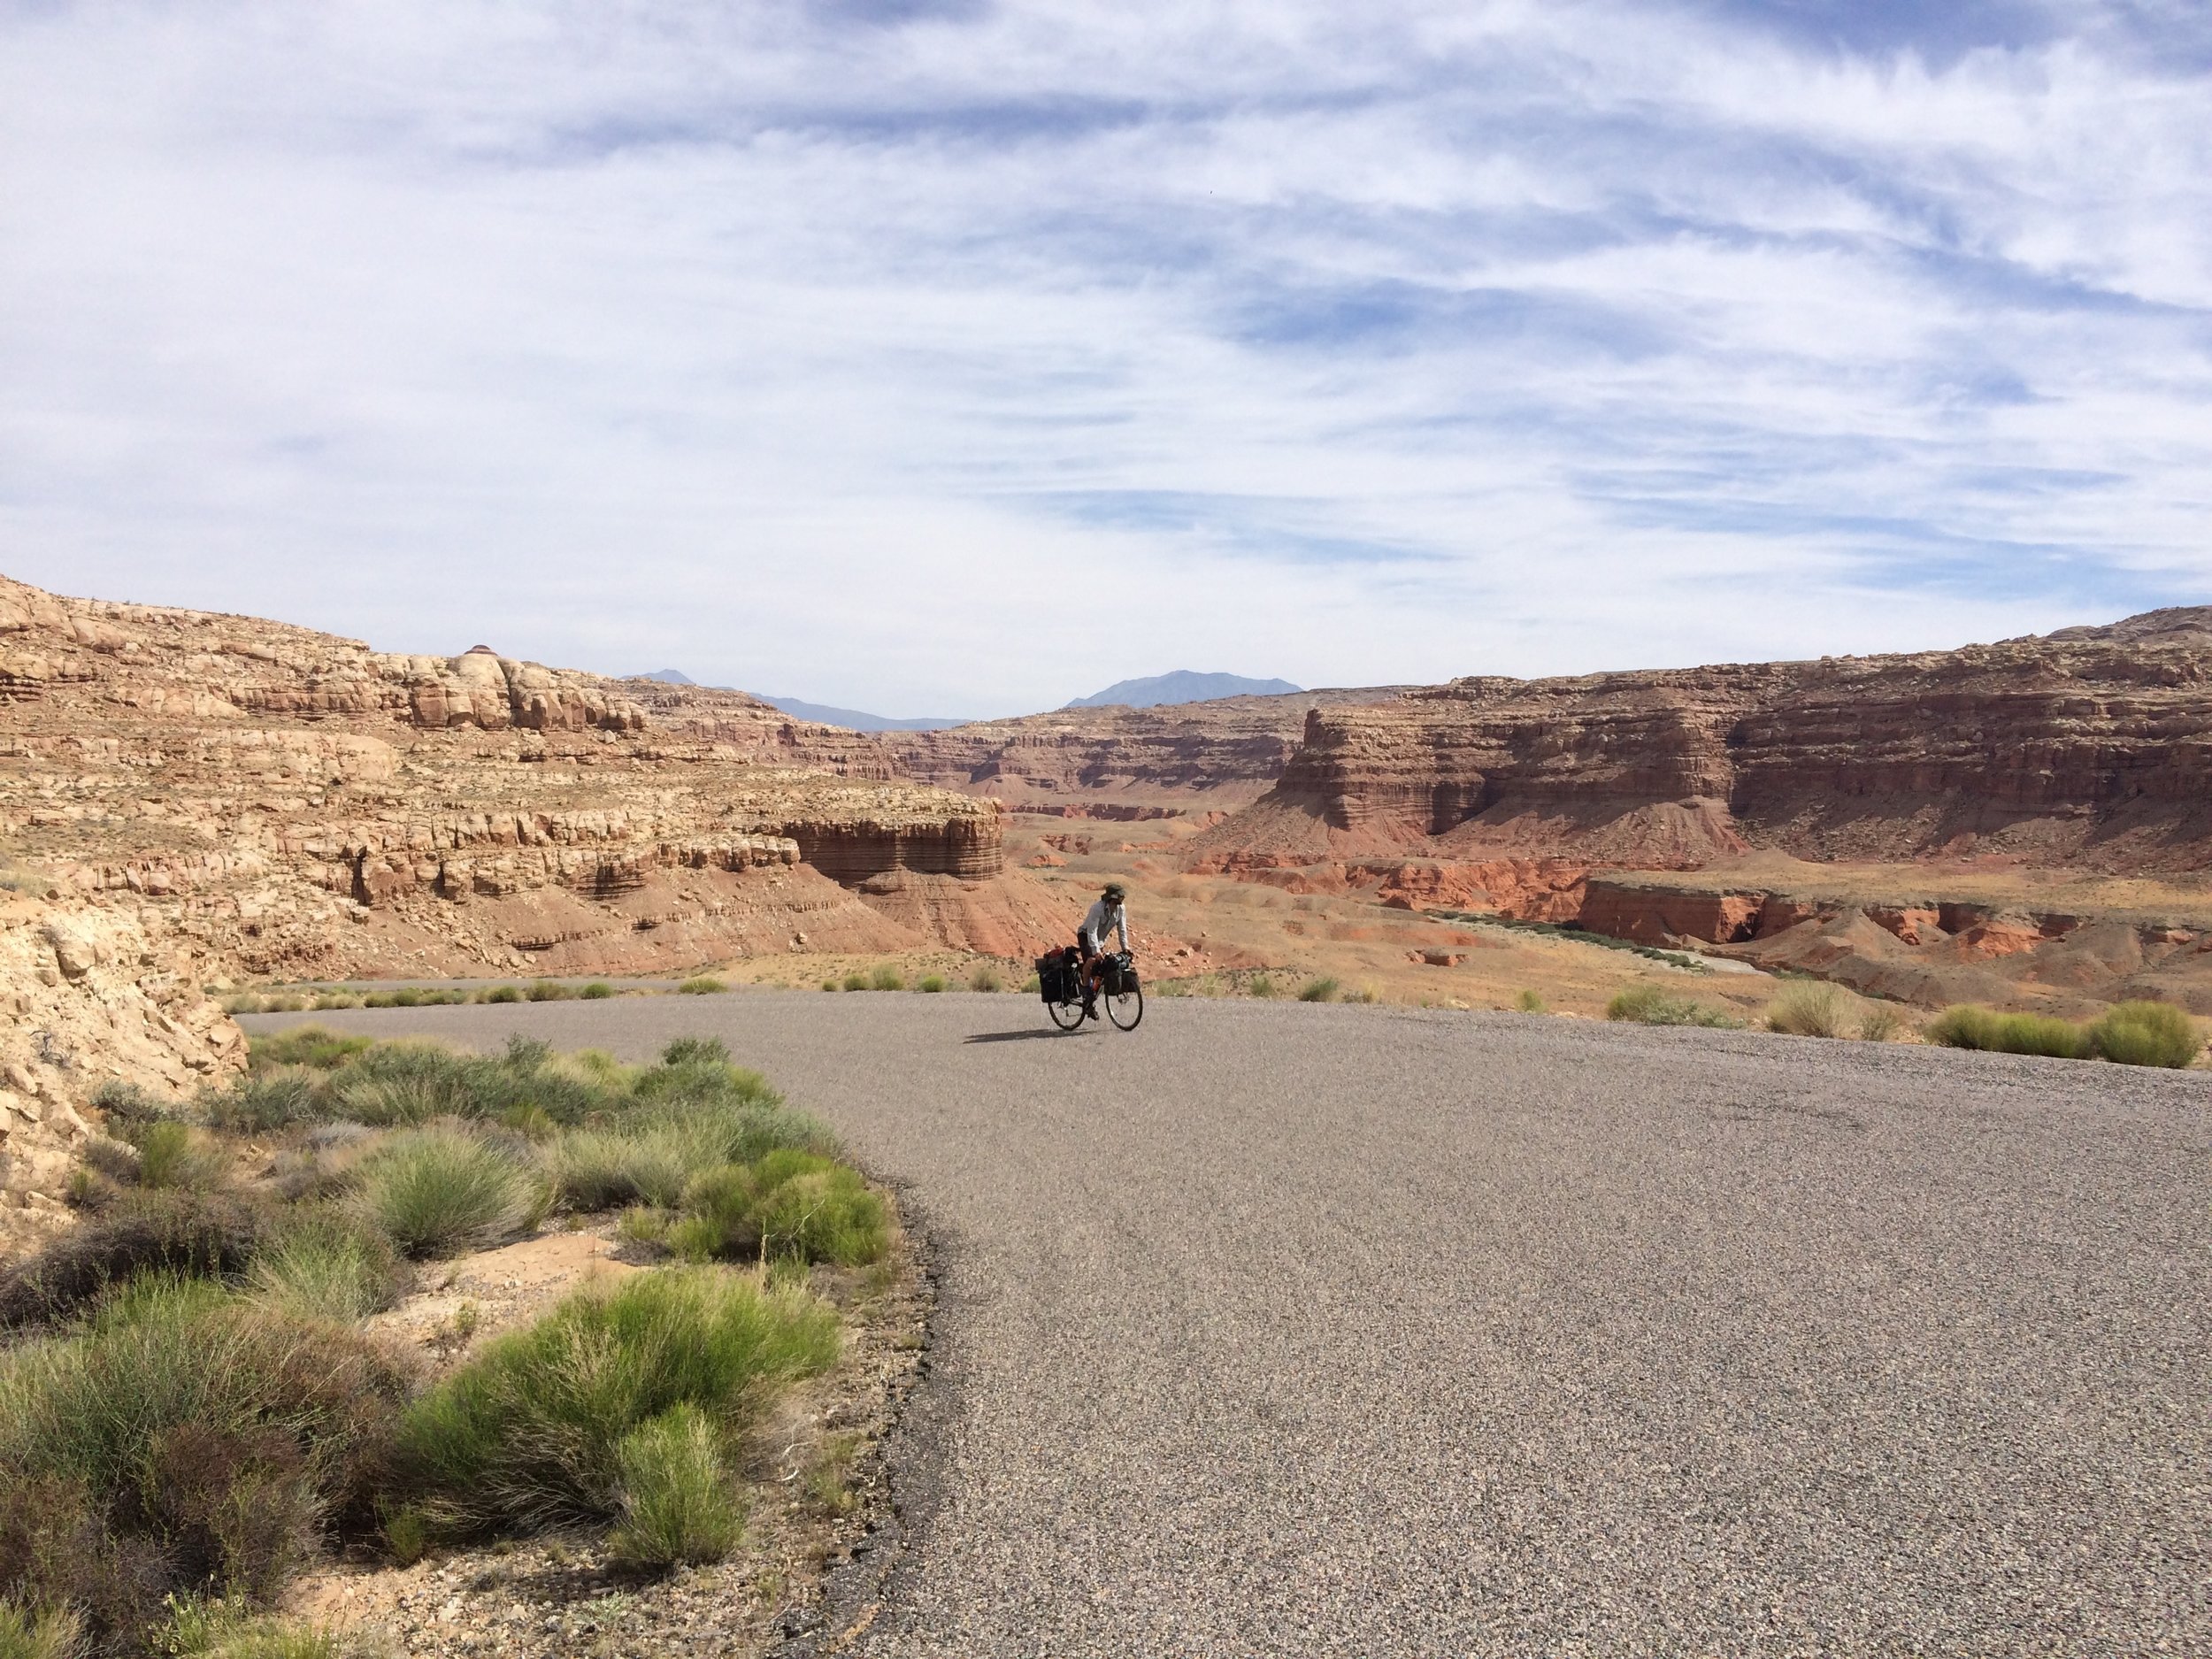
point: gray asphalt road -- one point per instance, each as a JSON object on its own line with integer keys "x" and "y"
{"x": 1275, "y": 1329}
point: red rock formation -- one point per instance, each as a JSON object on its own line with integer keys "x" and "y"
{"x": 2091, "y": 748}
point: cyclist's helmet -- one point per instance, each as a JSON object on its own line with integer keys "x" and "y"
{"x": 1115, "y": 893}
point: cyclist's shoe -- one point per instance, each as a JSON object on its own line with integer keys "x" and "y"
{"x": 1090, "y": 1008}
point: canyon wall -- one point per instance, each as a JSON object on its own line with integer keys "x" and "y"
{"x": 2091, "y": 748}
{"x": 1097, "y": 762}
{"x": 281, "y": 802}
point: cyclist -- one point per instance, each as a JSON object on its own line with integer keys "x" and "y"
{"x": 1109, "y": 914}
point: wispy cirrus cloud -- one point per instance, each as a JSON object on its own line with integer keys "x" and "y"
{"x": 957, "y": 357}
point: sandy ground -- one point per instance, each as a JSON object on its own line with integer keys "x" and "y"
{"x": 1275, "y": 1329}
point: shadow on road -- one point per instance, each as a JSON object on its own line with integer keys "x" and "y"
{"x": 1018, "y": 1036}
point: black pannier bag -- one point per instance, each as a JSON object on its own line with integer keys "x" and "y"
{"x": 1118, "y": 976}
{"x": 1056, "y": 977}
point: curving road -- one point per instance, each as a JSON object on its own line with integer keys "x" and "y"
{"x": 1290, "y": 1330}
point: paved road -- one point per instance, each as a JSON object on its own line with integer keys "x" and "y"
{"x": 1288, "y": 1330}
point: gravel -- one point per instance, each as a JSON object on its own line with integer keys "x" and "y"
{"x": 1296, "y": 1329}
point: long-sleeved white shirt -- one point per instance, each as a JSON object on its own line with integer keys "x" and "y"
{"x": 1104, "y": 919}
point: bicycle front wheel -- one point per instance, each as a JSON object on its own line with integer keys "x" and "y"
{"x": 1126, "y": 1008}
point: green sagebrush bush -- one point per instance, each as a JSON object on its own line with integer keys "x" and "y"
{"x": 181, "y": 1442}
{"x": 1970, "y": 1026}
{"x": 316, "y": 1047}
{"x": 531, "y": 1432}
{"x": 1645, "y": 1003}
{"x": 324, "y": 1261}
{"x": 443, "y": 1188}
{"x": 677, "y": 1502}
{"x": 1322, "y": 990}
{"x": 789, "y": 1205}
{"x": 2145, "y": 1034}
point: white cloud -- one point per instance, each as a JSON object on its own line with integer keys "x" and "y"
{"x": 865, "y": 362}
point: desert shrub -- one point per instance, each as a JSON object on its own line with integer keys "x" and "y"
{"x": 856, "y": 980}
{"x": 549, "y": 991}
{"x": 1880, "y": 1023}
{"x": 2145, "y": 1034}
{"x": 268, "y": 1099}
{"x": 790, "y": 1205}
{"x": 1811, "y": 1008}
{"x": 886, "y": 977}
{"x": 324, "y": 1262}
{"x": 1648, "y": 1004}
{"x": 1530, "y": 1003}
{"x": 171, "y": 1154}
{"x": 503, "y": 994}
{"x": 651, "y": 1155}
{"x": 1969, "y": 1026}
{"x": 181, "y": 1443}
{"x": 830, "y": 984}
{"x": 528, "y": 1434}
{"x": 50, "y": 1632}
{"x": 695, "y": 1052}
{"x": 441, "y": 1189}
{"x": 128, "y": 1104}
{"x": 677, "y": 1501}
{"x": 175, "y": 1232}
{"x": 392, "y": 1083}
{"x": 597, "y": 990}
{"x": 986, "y": 978}
{"x": 1261, "y": 985}
{"x": 316, "y": 1046}
{"x": 214, "y": 1628}
{"x": 117, "y": 1160}
{"x": 329, "y": 1001}
{"x": 705, "y": 985}
{"x": 1322, "y": 990}
{"x": 931, "y": 982}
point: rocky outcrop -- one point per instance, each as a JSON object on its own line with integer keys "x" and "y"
{"x": 282, "y": 802}
{"x": 89, "y": 996}
{"x": 1229, "y": 751}
{"x": 2089, "y": 748}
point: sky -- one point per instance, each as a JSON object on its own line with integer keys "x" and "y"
{"x": 952, "y": 357}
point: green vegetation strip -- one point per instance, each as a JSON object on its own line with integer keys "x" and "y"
{"x": 189, "y": 1413}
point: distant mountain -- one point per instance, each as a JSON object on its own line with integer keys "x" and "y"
{"x": 1183, "y": 685}
{"x": 853, "y": 719}
{"x": 667, "y": 677}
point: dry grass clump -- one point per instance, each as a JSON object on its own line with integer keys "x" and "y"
{"x": 1321, "y": 990}
{"x": 931, "y": 982}
{"x": 986, "y": 978}
{"x": 1529, "y": 1001}
{"x": 885, "y": 978}
{"x": 532, "y": 1433}
{"x": 1645, "y": 1003}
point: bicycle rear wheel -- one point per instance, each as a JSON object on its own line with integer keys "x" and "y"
{"x": 1126, "y": 1008}
{"x": 1066, "y": 1015}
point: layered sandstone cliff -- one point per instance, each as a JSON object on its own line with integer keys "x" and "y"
{"x": 2091, "y": 748}
{"x": 1116, "y": 762}
{"x": 283, "y": 802}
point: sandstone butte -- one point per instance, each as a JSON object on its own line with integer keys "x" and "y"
{"x": 190, "y": 798}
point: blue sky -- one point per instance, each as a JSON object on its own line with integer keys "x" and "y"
{"x": 965, "y": 357}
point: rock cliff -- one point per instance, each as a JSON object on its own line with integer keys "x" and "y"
{"x": 2091, "y": 748}
{"x": 1096, "y": 762}
{"x": 284, "y": 802}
